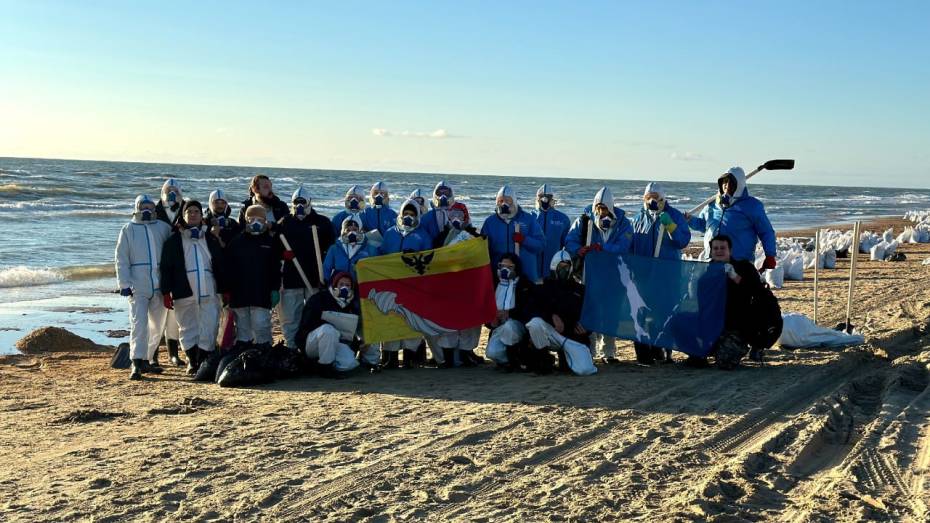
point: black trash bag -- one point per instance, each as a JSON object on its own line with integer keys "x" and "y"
{"x": 897, "y": 257}
{"x": 284, "y": 362}
{"x": 207, "y": 369}
{"x": 765, "y": 323}
{"x": 246, "y": 369}
{"x": 121, "y": 359}
{"x": 227, "y": 356}
{"x": 843, "y": 253}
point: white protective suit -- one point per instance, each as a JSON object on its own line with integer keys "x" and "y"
{"x": 138, "y": 251}
{"x": 198, "y": 315}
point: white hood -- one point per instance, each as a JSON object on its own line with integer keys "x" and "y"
{"x": 655, "y": 187}
{"x": 355, "y": 190}
{"x": 605, "y": 197}
{"x": 543, "y": 189}
{"x": 559, "y": 257}
{"x": 400, "y": 216}
{"x": 507, "y": 191}
{"x": 301, "y": 192}
{"x": 418, "y": 193}
{"x": 435, "y": 200}
{"x": 141, "y": 200}
{"x": 740, "y": 175}
{"x": 169, "y": 184}
{"x": 379, "y": 187}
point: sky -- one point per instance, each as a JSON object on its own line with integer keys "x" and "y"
{"x": 670, "y": 90}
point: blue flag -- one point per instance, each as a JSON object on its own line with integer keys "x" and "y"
{"x": 674, "y": 304}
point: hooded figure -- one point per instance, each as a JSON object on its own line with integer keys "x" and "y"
{"x": 138, "y": 254}
{"x": 611, "y": 232}
{"x": 349, "y": 248}
{"x": 354, "y": 202}
{"x": 739, "y": 216}
{"x": 436, "y": 219}
{"x": 656, "y": 212}
{"x": 459, "y": 227}
{"x": 406, "y": 235}
{"x": 557, "y": 327}
{"x": 417, "y": 196}
{"x": 253, "y": 265}
{"x": 501, "y": 230}
{"x": 378, "y": 216}
{"x": 320, "y": 340}
{"x": 168, "y": 208}
{"x": 192, "y": 276}
{"x": 297, "y": 228}
{"x": 261, "y": 193}
{"x": 517, "y": 302}
{"x": 217, "y": 218}
{"x": 554, "y": 224}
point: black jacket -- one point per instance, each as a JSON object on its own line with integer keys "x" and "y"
{"x": 739, "y": 295}
{"x": 565, "y": 299}
{"x": 162, "y": 215}
{"x": 228, "y": 232}
{"x": 253, "y": 269}
{"x": 526, "y": 302}
{"x": 278, "y": 208}
{"x": 173, "y": 272}
{"x": 299, "y": 234}
{"x": 312, "y": 316}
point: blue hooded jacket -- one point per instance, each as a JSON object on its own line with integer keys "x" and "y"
{"x": 338, "y": 259}
{"x": 354, "y": 192}
{"x": 646, "y": 227}
{"x": 616, "y": 240}
{"x": 399, "y": 238}
{"x": 435, "y": 220}
{"x": 378, "y": 218}
{"x": 500, "y": 237}
{"x": 744, "y": 221}
{"x": 554, "y": 225}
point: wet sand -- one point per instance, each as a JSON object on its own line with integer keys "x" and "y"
{"x": 815, "y": 434}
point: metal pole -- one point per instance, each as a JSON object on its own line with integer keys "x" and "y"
{"x": 816, "y": 270}
{"x": 854, "y": 254}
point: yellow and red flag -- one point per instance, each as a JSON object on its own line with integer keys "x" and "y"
{"x": 408, "y": 295}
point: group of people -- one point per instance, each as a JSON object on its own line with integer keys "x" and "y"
{"x": 179, "y": 264}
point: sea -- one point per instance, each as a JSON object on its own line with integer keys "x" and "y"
{"x": 59, "y": 220}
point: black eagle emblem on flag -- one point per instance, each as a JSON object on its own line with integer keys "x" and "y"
{"x": 418, "y": 262}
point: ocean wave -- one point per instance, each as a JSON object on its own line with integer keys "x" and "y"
{"x": 23, "y": 276}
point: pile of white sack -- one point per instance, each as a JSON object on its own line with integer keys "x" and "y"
{"x": 794, "y": 255}
{"x": 920, "y": 232}
{"x": 878, "y": 247}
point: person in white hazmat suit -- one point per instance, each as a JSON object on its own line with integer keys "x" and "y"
{"x": 168, "y": 210}
{"x": 138, "y": 253}
{"x": 191, "y": 276}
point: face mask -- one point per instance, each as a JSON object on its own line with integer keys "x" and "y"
{"x": 408, "y": 221}
{"x": 195, "y": 232}
{"x": 652, "y": 205}
{"x": 606, "y": 222}
{"x": 299, "y": 210}
{"x": 379, "y": 200}
{"x": 504, "y": 273}
{"x": 443, "y": 201}
{"x": 146, "y": 215}
{"x": 345, "y": 293}
{"x": 353, "y": 204}
{"x": 563, "y": 273}
{"x": 256, "y": 227}
{"x": 352, "y": 237}
{"x": 172, "y": 197}
{"x": 544, "y": 204}
{"x": 503, "y": 208}
{"x": 457, "y": 224}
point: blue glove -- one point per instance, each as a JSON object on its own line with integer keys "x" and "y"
{"x": 125, "y": 292}
{"x": 275, "y": 298}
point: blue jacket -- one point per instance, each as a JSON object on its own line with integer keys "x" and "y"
{"x": 645, "y": 229}
{"x": 340, "y": 217}
{"x": 744, "y": 222}
{"x": 430, "y": 226}
{"x": 554, "y": 225}
{"x": 337, "y": 259}
{"x": 395, "y": 241}
{"x": 617, "y": 241}
{"x": 500, "y": 241}
{"x": 374, "y": 218}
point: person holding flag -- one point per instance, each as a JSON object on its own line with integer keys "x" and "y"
{"x": 656, "y": 217}
{"x": 610, "y": 231}
{"x": 511, "y": 230}
{"x": 554, "y": 224}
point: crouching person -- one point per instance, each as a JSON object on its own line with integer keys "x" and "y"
{"x": 254, "y": 271}
{"x": 516, "y": 303}
{"x": 190, "y": 282}
{"x": 138, "y": 253}
{"x": 557, "y": 328}
{"x": 319, "y": 337}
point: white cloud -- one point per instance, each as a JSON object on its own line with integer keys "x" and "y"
{"x": 437, "y": 134}
{"x": 688, "y": 157}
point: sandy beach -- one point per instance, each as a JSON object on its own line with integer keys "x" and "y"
{"x": 813, "y": 435}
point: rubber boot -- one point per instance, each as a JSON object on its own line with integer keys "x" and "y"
{"x": 173, "y": 346}
{"x": 390, "y": 359}
{"x": 644, "y": 354}
{"x": 193, "y": 359}
{"x": 563, "y": 362}
{"x": 147, "y": 368}
{"x": 135, "y": 369}
{"x": 421, "y": 353}
{"x": 154, "y": 361}
{"x": 449, "y": 356}
{"x": 409, "y": 357}
{"x": 513, "y": 359}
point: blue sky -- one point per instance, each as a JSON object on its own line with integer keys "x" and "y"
{"x": 659, "y": 90}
